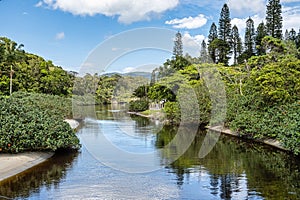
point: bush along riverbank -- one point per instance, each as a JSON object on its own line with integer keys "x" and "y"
{"x": 261, "y": 98}
{"x": 35, "y": 122}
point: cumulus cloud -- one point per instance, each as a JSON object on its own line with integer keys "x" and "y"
{"x": 60, "y": 36}
{"x": 188, "y": 22}
{"x": 39, "y": 4}
{"x": 247, "y": 6}
{"x": 128, "y": 11}
{"x": 192, "y": 44}
{"x": 289, "y": 1}
{"x": 291, "y": 17}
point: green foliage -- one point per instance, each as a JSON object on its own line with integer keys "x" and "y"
{"x": 177, "y": 63}
{"x": 34, "y": 122}
{"x": 224, "y": 35}
{"x": 260, "y": 34}
{"x": 160, "y": 92}
{"x": 172, "y": 112}
{"x": 249, "y": 38}
{"x": 274, "y": 19}
{"x": 138, "y": 105}
{"x": 276, "y": 83}
{"x": 31, "y": 73}
{"x": 178, "y": 48}
{"x": 236, "y": 44}
{"x": 141, "y": 91}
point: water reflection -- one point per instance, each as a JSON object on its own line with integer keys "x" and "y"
{"x": 237, "y": 168}
{"x": 48, "y": 174}
{"x": 234, "y": 169}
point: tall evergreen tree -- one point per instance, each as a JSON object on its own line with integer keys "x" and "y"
{"x": 274, "y": 19}
{"x": 286, "y": 35}
{"x": 178, "y": 48}
{"x": 249, "y": 38}
{"x": 225, "y": 34}
{"x": 213, "y": 34}
{"x": 260, "y": 34}
{"x": 203, "y": 52}
{"x": 292, "y": 35}
{"x": 298, "y": 40}
{"x": 236, "y": 43}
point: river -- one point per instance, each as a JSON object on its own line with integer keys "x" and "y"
{"x": 233, "y": 169}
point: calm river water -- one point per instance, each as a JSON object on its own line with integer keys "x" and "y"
{"x": 234, "y": 169}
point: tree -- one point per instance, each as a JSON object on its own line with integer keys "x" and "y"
{"x": 298, "y": 40}
{"x": 203, "y": 52}
{"x": 12, "y": 53}
{"x": 260, "y": 34}
{"x": 219, "y": 46}
{"x": 236, "y": 43}
{"x": 178, "y": 49}
{"x": 225, "y": 34}
{"x": 286, "y": 35}
{"x": 249, "y": 38}
{"x": 274, "y": 19}
{"x": 292, "y": 35}
{"x": 213, "y": 34}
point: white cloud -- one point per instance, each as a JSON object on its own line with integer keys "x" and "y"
{"x": 192, "y": 44}
{"x": 60, "y": 36}
{"x": 39, "y": 4}
{"x": 241, "y": 23}
{"x": 128, "y": 69}
{"x": 188, "y": 22}
{"x": 291, "y": 18}
{"x": 247, "y": 7}
{"x": 128, "y": 11}
{"x": 289, "y": 1}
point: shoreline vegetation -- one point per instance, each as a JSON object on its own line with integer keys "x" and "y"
{"x": 13, "y": 164}
{"x": 223, "y": 130}
{"x": 261, "y": 88}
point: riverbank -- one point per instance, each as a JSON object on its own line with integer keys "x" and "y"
{"x": 13, "y": 164}
{"x": 227, "y": 131}
{"x": 270, "y": 142}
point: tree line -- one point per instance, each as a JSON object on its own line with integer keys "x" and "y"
{"x": 22, "y": 71}
{"x": 262, "y": 87}
{"x": 225, "y": 42}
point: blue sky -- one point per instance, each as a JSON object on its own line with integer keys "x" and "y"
{"x": 67, "y": 31}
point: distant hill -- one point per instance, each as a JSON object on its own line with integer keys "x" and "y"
{"x": 133, "y": 74}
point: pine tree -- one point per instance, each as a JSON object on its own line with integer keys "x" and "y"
{"x": 274, "y": 19}
{"x": 213, "y": 34}
{"x": 236, "y": 44}
{"x": 298, "y": 40}
{"x": 225, "y": 34}
{"x": 292, "y": 35}
{"x": 203, "y": 52}
{"x": 286, "y": 35}
{"x": 249, "y": 38}
{"x": 178, "y": 49}
{"x": 260, "y": 34}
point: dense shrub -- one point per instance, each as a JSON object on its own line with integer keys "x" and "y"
{"x": 172, "y": 112}
{"x": 138, "y": 105}
{"x": 34, "y": 122}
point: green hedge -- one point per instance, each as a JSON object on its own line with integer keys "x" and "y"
{"x": 138, "y": 105}
{"x": 34, "y": 122}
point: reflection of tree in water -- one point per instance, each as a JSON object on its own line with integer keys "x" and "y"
{"x": 48, "y": 174}
{"x": 140, "y": 121}
{"x": 236, "y": 165}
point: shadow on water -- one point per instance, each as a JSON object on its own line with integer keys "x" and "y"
{"x": 234, "y": 165}
{"x": 48, "y": 174}
{"x": 233, "y": 169}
